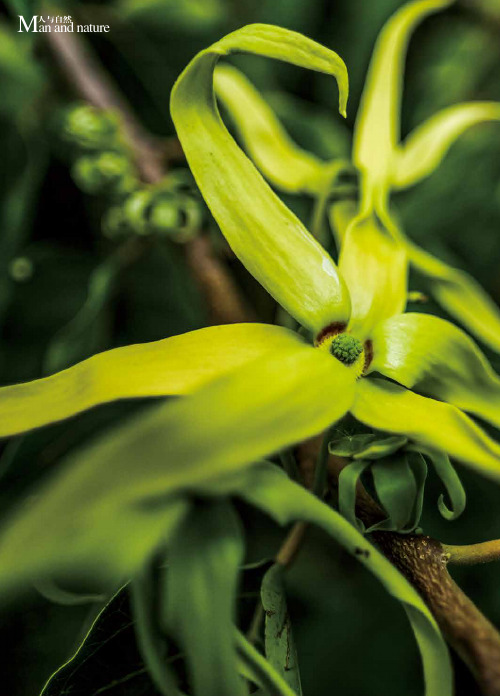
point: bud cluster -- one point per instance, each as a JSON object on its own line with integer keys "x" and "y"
{"x": 102, "y": 165}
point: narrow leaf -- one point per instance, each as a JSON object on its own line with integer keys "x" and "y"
{"x": 146, "y": 602}
{"x": 281, "y": 652}
{"x": 267, "y": 488}
{"x": 204, "y": 559}
{"x": 255, "y": 667}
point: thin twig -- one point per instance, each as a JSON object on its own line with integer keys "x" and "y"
{"x": 86, "y": 77}
{"x": 472, "y": 554}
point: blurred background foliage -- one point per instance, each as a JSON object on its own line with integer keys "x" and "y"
{"x": 351, "y": 638}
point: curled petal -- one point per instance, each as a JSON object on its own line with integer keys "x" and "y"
{"x": 177, "y": 365}
{"x": 460, "y": 295}
{"x": 279, "y": 159}
{"x": 266, "y": 236}
{"x": 427, "y": 145}
{"x": 431, "y": 424}
{"x": 435, "y": 357}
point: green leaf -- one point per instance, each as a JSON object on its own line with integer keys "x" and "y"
{"x": 460, "y": 295}
{"x": 348, "y": 482}
{"x": 425, "y": 148}
{"x": 177, "y": 365}
{"x": 98, "y": 666}
{"x": 367, "y": 446}
{"x": 109, "y": 505}
{"x": 375, "y": 268}
{"x": 397, "y": 491}
{"x": 204, "y": 559}
{"x": 267, "y": 488}
{"x": 80, "y": 337}
{"x": 435, "y": 357}
{"x": 279, "y": 159}
{"x": 281, "y": 652}
{"x": 265, "y": 235}
{"x": 430, "y": 424}
{"x": 377, "y": 130}
{"x": 257, "y": 669}
{"x": 454, "y": 488}
{"x": 146, "y": 605}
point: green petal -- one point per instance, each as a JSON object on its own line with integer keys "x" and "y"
{"x": 430, "y": 424}
{"x": 279, "y": 159}
{"x": 267, "y": 488}
{"x": 396, "y": 490}
{"x": 427, "y": 145}
{"x": 265, "y": 235}
{"x": 177, "y": 365}
{"x": 204, "y": 558}
{"x": 348, "y": 483}
{"x": 375, "y": 268}
{"x": 377, "y": 130}
{"x": 460, "y": 295}
{"x": 94, "y": 517}
{"x": 454, "y": 488}
{"x": 438, "y": 359}
{"x": 341, "y": 214}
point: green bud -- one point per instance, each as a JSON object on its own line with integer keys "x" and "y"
{"x": 107, "y": 172}
{"x": 90, "y": 128}
{"x": 346, "y": 348}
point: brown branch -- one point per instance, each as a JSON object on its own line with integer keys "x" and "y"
{"x": 86, "y": 77}
{"x": 423, "y": 561}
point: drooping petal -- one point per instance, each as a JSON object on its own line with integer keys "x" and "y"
{"x": 427, "y": 145}
{"x": 107, "y": 508}
{"x": 377, "y": 128}
{"x": 177, "y": 365}
{"x": 266, "y": 236}
{"x": 432, "y": 424}
{"x": 375, "y": 268}
{"x": 279, "y": 159}
{"x": 460, "y": 294}
{"x": 432, "y": 355}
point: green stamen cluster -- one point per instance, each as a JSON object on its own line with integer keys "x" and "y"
{"x": 346, "y": 348}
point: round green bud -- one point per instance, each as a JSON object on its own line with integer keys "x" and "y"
{"x": 105, "y": 173}
{"x": 346, "y": 348}
{"x": 89, "y": 128}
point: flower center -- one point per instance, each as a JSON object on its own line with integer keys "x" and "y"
{"x": 346, "y": 348}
